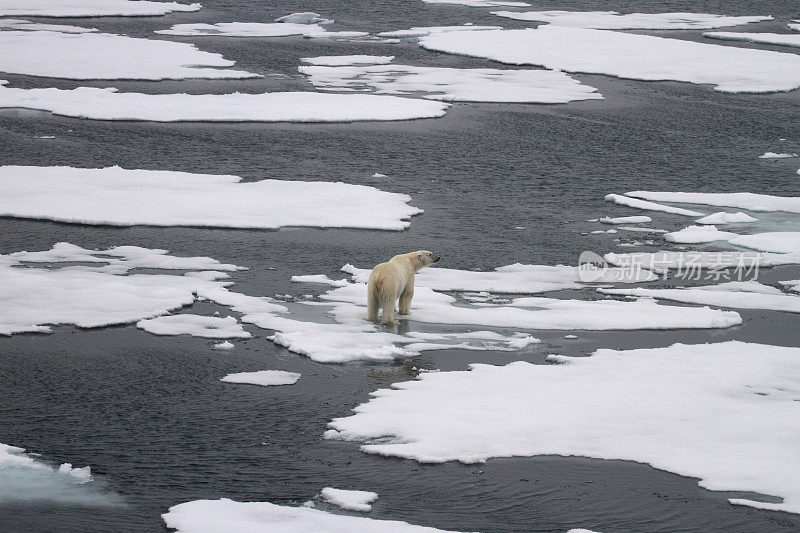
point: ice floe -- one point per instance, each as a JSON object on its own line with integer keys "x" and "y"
{"x": 776, "y": 241}
{"x": 626, "y": 220}
{"x": 650, "y": 206}
{"x": 421, "y": 31}
{"x": 26, "y": 25}
{"x": 742, "y": 200}
{"x": 25, "y": 478}
{"x": 777, "y": 39}
{"x": 108, "y": 104}
{"x": 691, "y": 260}
{"x": 349, "y": 500}
{"x": 727, "y": 413}
{"x": 306, "y": 17}
{"x": 480, "y": 3}
{"x": 91, "y": 8}
{"x": 120, "y": 197}
{"x": 625, "y": 55}
{"x": 105, "y": 56}
{"x": 93, "y": 296}
{"x": 224, "y": 345}
{"x": 265, "y": 378}
{"x": 721, "y": 217}
{"x": 735, "y": 294}
{"x": 338, "y": 61}
{"x": 224, "y": 515}
{"x": 453, "y": 84}
{"x": 209, "y": 327}
{"x": 516, "y": 278}
{"x": 698, "y": 234}
{"x": 773, "y": 155}
{"x": 257, "y": 29}
{"x": 612, "y": 20}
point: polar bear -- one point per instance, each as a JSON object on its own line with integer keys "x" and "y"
{"x": 392, "y": 280}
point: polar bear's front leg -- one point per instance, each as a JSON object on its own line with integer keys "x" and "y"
{"x": 405, "y": 300}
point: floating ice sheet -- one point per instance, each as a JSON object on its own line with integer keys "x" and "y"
{"x": 265, "y": 378}
{"x": 91, "y": 8}
{"x": 26, "y": 479}
{"x": 742, "y": 200}
{"x": 107, "y": 104}
{"x": 660, "y": 261}
{"x": 632, "y": 56}
{"x": 120, "y": 197}
{"x": 727, "y": 413}
{"x": 27, "y": 25}
{"x": 93, "y": 296}
{"x": 257, "y": 29}
{"x": 453, "y": 84}
{"x": 479, "y": 3}
{"x": 773, "y": 155}
{"x": 721, "y": 217}
{"x": 209, "y": 327}
{"x": 305, "y": 17}
{"x": 223, "y": 516}
{"x": 104, "y": 56}
{"x": 349, "y": 500}
{"x": 337, "y": 61}
{"x": 422, "y": 31}
{"x": 650, "y": 206}
{"x": 626, "y": 220}
{"x": 778, "y": 39}
{"x": 739, "y": 295}
{"x": 611, "y": 20}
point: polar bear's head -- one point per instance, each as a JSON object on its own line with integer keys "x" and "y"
{"x": 422, "y": 258}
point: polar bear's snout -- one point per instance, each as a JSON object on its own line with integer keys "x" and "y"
{"x": 436, "y": 258}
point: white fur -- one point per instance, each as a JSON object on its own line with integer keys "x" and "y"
{"x": 394, "y": 280}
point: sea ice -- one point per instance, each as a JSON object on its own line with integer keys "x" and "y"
{"x": 453, "y": 84}
{"x": 104, "y": 56}
{"x": 773, "y": 155}
{"x": 27, "y": 25}
{"x": 224, "y": 516}
{"x": 224, "y": 345}
{"x": 698, "y": 234}
{"x": 92, "y": 296}
{"x": 650, "y": 206}
{"x": 91, "y": 8}
{"x": 421, "y": 31}
{"x": 264, "y": 378}
{"x": 727, "y": 413}
{"x": 690, "y": 260}
{"x": 626, "y": 55}
{"x": 778, "y": 39}
{"x": 611, "y": 20}
{"x": 516, "y": 278}
{"x": 740, "y": 295}
{"x": 722, "y": 217}
{"x": 319, "y": 278}
{"x": 257, "y": 29}
{"x": 120, "y": 197}
{"x": 480, "y": 3}
{"x": 349, "y": 500}
{"x": 776, "y": 241}
{"x": 209, "y": 327}
{"x": 742, "y": 200}
{"x": 108, "y": 104}
{"x": 26, "y": 479}
{"x": 305, "y": 17}
{"x": 626, "y": 220}
{"x": 338, "y": 61}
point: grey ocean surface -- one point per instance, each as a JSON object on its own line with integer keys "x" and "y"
{"x": 149, "y": 414}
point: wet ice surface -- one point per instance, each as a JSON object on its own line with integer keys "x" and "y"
{"x": 134, "y": 405}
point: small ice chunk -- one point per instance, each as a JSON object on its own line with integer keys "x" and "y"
{"x": 650, "y": 206}
{"x": 570, "y": 336}
{"x": 305, "y": 17}
{"x": 698, "y": 234}
{"x": 338, "y": 61}
{"x": 350, "y": 500}
{"x": 224, "y": 345}
{"x": 639, "y": 219}
{"x": 209, "y": 327}
{"x": 319, "y": 278}
{"x": 773, "y": 155}
{"x": 263, "y": 377}
{"x": 379, "y": 175}
{"x": 721, "y": 217}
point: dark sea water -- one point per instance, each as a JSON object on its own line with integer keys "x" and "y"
{"x": 149, "y": 414}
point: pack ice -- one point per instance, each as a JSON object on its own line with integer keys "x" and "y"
{"x": 727, "y": 413}
{"x": 625, "y": 55}
{"x": 120, "y": 197}
{"x": 612, "y": 20}
{"x": 105, "y": 56}
{"x": 91, "y": 8}
{"x": 108, "y": 104}
{"x": 258, "y": 29}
